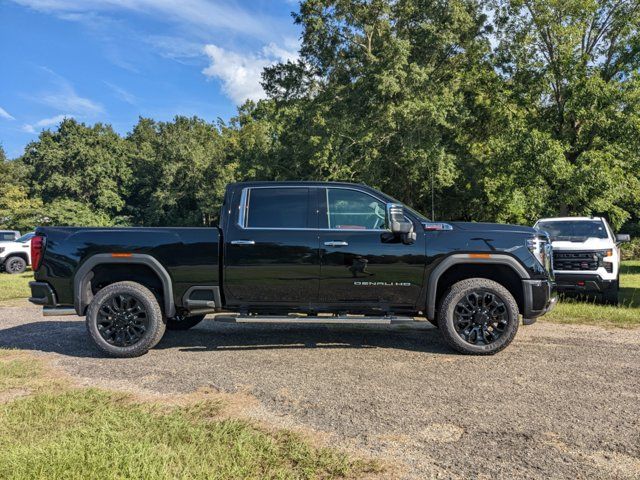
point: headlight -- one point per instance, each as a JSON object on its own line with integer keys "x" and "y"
{"x": 541, "y": 249}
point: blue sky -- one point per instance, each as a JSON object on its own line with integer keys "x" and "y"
{"x": 114, "y": 60}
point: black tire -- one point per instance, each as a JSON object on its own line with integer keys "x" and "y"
{"x": 15, "y": 265}
{"x": 111, "y": 325}
{"x": 180, "y": 322}
{"x": 483, "y": 329}
{"x": 610, "y": 296}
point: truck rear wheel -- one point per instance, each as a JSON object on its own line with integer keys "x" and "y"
{"x": 15, "y": 265}
{"x": 125, "y": 320}
{"x": 181, "y": 322}
{"x": 478, "y": 316}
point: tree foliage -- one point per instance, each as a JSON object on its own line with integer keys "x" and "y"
{"x": 503, "y": 110}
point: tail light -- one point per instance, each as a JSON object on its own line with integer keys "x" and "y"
{"x": 37, "y": 249}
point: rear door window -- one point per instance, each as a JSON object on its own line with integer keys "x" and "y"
{"x": 278, "y": 208}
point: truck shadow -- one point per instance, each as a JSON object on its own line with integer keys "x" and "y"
{"x": 70, "y": 338}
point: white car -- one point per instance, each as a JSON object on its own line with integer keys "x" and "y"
{"x": 586, "y": 255}
{"x": 16, "y": 255}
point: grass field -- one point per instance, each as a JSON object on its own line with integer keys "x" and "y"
{"x": 15, "y": 286}
{"x": 588, "y": 312}
{"x": 50, "y": 430}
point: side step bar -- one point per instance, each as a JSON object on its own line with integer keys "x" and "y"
{"x": 314, "y": 320}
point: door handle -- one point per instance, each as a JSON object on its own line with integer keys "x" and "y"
{"x": 243, "y": 242}
{"x": 336, "y": 244}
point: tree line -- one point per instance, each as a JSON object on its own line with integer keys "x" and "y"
{"x": 495, "y": 110}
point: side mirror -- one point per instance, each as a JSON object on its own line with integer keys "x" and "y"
{"x": 623, "y": 237}
{"x": 398, "y": 224}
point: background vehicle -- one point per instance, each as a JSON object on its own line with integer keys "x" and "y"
{"x": 16, "y": 255}
{"x": 297, "y": 247}
{"x": 9, "y": 235}
{"x": 586, "y": 255}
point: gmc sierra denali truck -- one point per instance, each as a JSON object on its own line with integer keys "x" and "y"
{"x": 325, "y": 252}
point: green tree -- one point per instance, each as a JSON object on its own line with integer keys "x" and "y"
{"x": 379, "y": 91}
{"x": 181, "y": 169}
{"x": 570, "y": 71}
{"x": 85, "y": 164}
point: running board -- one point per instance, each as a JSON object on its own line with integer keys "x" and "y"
{"x": 314, "y": 320}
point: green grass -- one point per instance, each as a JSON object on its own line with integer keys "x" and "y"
{"x": 15, "y": 286}
{"x": 63, "y": 432}
{"x": 587, "y": 311}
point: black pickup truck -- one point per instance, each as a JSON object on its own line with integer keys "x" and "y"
{"x": 324, "y": 252}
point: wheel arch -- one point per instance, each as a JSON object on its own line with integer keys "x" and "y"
{"x": 501, "y": 268}
{"x": 82, "y": 293}
{"x": 22, "y": 255}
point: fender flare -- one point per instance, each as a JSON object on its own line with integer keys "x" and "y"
{"x": 458, "y": 258}
{"x": 84, "y": 274}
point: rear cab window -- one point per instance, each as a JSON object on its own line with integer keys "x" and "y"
{"x": 278, "y": 208}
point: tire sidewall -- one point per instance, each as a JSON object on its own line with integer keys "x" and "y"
{"x": 155, "y": 329}
{"x": 446, "y": 316}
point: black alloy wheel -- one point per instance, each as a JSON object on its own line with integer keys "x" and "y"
{"x": 122, "y": 320}
{"x": 480, "y": 317}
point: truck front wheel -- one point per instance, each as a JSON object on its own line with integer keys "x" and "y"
{"x": 125, "y": 320}
{"x": 478, "y": 316}
{"x": 181, "y": 322}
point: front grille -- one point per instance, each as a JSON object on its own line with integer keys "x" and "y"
{"x": 576, "y": 260}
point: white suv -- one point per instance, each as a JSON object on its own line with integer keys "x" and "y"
{"x": 586, "y": 255}
{"x": 16, "y": 255}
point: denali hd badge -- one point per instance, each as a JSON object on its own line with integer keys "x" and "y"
{"x": 382, "y": 284}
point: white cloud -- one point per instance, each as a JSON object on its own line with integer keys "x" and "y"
{"x": 207, "y": 14}
{"x": 240, "y": 74}
{"x": 121, "y": 93}
{"x": 65, "y": 98}
{"x": 45, "y": 122}
{"x": 4, "y": 114}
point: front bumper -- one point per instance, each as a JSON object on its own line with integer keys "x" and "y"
{"x": 583, "y": 283}
{"x": 540, "y": 297}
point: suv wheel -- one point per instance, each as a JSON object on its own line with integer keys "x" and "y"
{"x": 125, "y": 320}
{"x": 610, "y": 296}
{"x": 15, "y": 265}
{"x": 478, "y": 316}
{"x": 182, "y": 322}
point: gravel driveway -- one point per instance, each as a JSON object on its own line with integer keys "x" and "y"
{"x": 560, "y": 402}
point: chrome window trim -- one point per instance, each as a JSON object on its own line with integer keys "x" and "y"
{"x": 243, "y": 209}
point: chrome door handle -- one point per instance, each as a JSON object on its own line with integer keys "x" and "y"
{"x": 243, "y": 242}
{"x": 336, "y": 244}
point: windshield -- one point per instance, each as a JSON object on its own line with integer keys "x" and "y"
{"x": 26, "y": 237}
{"x": 574, "y": 230}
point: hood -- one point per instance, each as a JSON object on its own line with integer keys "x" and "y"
{"x": 493, "y": 227}
{"x": 588, "y": 244}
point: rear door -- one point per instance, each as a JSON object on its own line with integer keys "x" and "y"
{"x": 362, "y": 262}
{"x": 271, "y": 247}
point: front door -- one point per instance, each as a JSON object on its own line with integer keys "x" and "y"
{"x": 271, "y": 248}
{"x": 361, "y": 262}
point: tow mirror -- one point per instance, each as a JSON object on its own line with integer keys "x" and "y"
{"x": 623, "y": 237}
{"x": 398, "y": 224}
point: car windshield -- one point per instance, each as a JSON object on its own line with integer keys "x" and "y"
{"x": 25, "y": 238}
{"x": 574, "y": 230}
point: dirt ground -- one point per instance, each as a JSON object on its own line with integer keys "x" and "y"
{"x": 560, "y": 402}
